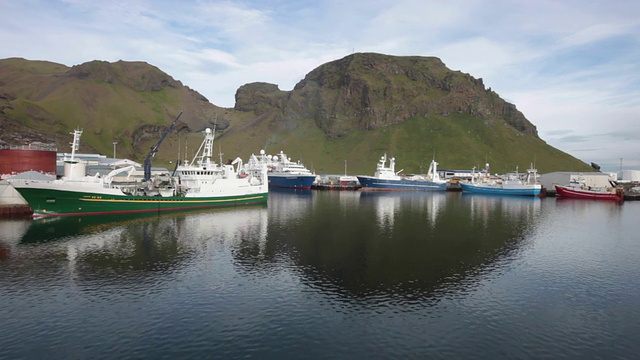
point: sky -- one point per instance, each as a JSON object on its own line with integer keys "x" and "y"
{"x": 572, "y": 67}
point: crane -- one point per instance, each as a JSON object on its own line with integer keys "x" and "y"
{"x": 154, "y": 150}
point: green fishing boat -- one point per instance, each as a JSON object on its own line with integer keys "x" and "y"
{"x": 196, "y": 184}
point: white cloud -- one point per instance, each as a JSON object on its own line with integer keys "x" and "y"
{"x": 572, "y": 67}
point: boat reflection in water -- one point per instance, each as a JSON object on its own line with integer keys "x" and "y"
{"x": 126, "y": 243}
{"x": 288, "y": 205}
{"x": 389, "y": 205}
{"x": 484, "y": 206}
{"x": 11, "y": 231}
{"x": 375, "y": 246}
{"x": 401, "y": 246}
{"x": 384, "y": 275}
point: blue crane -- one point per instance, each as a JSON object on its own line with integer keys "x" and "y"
{"x": 154, "y": 150}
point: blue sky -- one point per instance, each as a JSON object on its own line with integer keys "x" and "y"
{"x": 572, "y": 67}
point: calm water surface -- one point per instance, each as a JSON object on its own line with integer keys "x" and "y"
{"x": 325, "y": 275}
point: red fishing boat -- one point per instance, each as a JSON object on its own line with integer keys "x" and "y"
{"x": 581, "y": 191}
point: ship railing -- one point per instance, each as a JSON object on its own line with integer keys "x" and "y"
{"x": 29, "y": 147}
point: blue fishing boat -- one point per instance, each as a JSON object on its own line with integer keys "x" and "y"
{"x": 510, "y": 184}
{"x": 282, "y": 172}
{"x": 387, "y": 179}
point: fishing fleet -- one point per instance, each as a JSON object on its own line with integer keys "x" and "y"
{"x": 204, "y": 183}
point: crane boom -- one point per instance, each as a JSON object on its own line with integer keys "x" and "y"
{"x": 154, "y": 150}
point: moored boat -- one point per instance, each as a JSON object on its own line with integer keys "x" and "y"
{"x": 200, "y": 183}
{"x": 387, "y": 179}
{"x": 515, "y": 184}
{"x": 579, "y": 190}
{"x": 336, "y": 182}
{"x": 282, "y": 172}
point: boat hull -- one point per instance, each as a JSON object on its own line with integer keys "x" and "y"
{"x": 303, "y": 182}
{"x": 569, "y": 192}
{"x": 370, "y": 183}
{"x": 335, "y": 187}
{"x": 525, "y": 190}
{"x": 56, "y": 202}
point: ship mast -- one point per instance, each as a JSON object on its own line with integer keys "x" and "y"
{"x": 75, "y": 145}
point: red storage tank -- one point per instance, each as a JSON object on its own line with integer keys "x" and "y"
{"x": 17, "y": 159}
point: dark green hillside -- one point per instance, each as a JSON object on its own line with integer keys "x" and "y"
{"x": 130, "y": 103}
{"x": 364, "y": 105}
{"x": 457, "y": 141}
{"x": 354, "y": 109}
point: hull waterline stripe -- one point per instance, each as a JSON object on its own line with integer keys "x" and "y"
{"x": 168, "y": 201}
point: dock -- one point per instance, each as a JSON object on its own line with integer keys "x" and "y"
{"x": 15, "y": 210}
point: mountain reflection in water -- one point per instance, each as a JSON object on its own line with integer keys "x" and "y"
{"x": 356, "y": 244}
{"x": 406, "y": 245}
{"x": 328, "y": 274}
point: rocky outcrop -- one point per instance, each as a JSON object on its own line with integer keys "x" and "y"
{"x": 139, "y": 76}
{"x": 133, "y": 102}
{"x": 155, "y": 131}
{"x": 366, "y": 91}
{"x": 260, "y": 97}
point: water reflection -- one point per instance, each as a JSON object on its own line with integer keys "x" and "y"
{"x": 388, "y": 205}
{"x": 482, "y": 207}
{"x": 11, "y": 231}
{"x": 587, "y": 205}
{"x": 125, "y": 245}
{"x": 374, "y": 246}
{"x": 381, "y": 246}
{"x": 288, "y": 205}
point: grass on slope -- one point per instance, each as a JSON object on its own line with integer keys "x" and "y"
{"x": 110, "y": 112}
{"x": 457, "y": 142}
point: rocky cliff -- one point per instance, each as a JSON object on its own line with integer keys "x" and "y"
{"x": 367, "y": 91}
{"x": 354, "y": 109}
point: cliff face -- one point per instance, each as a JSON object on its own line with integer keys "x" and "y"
{"x": 260, "y": 97}
{"x": 353, "y": 108}
{"x": 368, "y": 91}
{"x": 362, "y": 91}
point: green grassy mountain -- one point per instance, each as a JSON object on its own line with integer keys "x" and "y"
{"x": 353, "y": 109}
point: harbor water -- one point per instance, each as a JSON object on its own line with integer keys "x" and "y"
{"x": 327, "y": 275}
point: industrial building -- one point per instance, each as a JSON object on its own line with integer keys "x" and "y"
{"x": 629, "y": 176}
